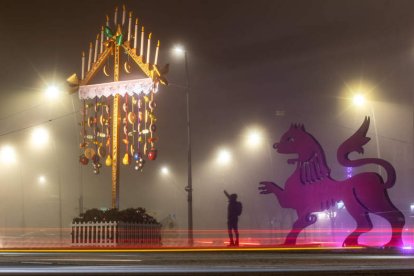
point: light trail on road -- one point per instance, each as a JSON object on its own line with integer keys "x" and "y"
{"x": 109, "y": 262}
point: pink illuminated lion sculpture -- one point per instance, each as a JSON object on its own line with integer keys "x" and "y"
{"x": 310, "y": 188}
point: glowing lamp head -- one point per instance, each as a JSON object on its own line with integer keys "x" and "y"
{"x": 165, "y": 171}
{"x": 358, "y": 100}
{"x": 42, "y": 180}
{"x": 52, "y": 92}
{"x": 224, "y": 157}
{"x": 39, "y": 137}
{"x": 7, "y": 155}
{"x": 179, "y": 50}
{"x": 254, "y": 139}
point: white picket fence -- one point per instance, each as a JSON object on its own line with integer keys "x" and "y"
{"x": 109, "y": 234}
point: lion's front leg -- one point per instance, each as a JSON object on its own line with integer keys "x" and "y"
{"x": 267, "y": 187}
{"x": 301, "y": 223}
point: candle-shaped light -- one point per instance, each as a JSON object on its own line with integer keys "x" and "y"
{"x": 123, "y": 14}
{"x": 148, "y": 48}
{"x": 129, "y": 26}
{"x": 107, "y": 24}
{"x": 83, "y": 65}
{"x": 136, "y": 34}
{"x": 116, "y": 16}
{"x": 141, "y": 50}
{"x": 102, "y": 36}
{"x": 156, "y": 53}
{"x": 90, "y": 56}
{"x": 96, "y": 48}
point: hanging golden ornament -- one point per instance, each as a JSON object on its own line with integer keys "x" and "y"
{"x": 105, "y": 71}
{"x": 127, "y": 67}
{"x": 108, "y": 161}
{"x": 125, "y": 160}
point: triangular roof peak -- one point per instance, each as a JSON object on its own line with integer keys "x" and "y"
{"x": 108, "y": 43}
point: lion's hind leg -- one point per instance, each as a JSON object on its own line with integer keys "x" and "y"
{"x": 375, "y": 199}
{"x": 301, "y": 223}
{"x": 364, "y": 223}
{"x": 396, "y": 219}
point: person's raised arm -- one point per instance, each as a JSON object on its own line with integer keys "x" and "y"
{"x": 227, "y": 194}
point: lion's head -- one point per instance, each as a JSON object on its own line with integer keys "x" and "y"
{"x": 310, "y": 154}
{"x": 297, "y": 140}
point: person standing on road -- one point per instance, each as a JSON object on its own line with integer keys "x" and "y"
{"x": 234, "y": 210}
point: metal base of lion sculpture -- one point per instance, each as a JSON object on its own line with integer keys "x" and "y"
{"x": 310, "y": 188}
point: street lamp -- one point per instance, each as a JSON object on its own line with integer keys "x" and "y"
{"x": 224, "y": 157}
{"x": 52, "y": 92}
{"x": 179, "y": 50}
{"x": 41, "y": 180}
{"x": 39, "y": 137}
{"x": 254, "y": 138}
{"x": 7, "y": 155}
{"x": 165, "y": 171}
{"x": 358, "y": 99}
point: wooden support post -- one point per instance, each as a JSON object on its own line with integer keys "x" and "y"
{"x": 116, "y": 121}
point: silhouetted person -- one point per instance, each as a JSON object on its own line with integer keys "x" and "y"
{"x": 234, "y": 210}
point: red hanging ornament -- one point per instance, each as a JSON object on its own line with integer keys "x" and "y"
{"x": 152, "y": 154}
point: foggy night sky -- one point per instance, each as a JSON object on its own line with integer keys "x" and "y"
{"x": 247, "y": 60}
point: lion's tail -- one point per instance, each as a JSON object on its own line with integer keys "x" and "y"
{"x": 356, "y": 143}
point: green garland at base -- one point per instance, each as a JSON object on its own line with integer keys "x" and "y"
{"x": 130, "y": 215}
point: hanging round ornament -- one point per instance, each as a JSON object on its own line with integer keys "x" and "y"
{"x": 90, "y": 153}
{"x": 83, "y": 160}
{"x": 137, "y": 156}
{"x": 152, "y": 154}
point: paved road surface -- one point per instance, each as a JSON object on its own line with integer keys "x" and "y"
{"x": 202, "y": 262}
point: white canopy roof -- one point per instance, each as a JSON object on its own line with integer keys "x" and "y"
{"x": 130, "y": 87}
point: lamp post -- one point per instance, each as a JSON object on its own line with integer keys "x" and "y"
{"x": 41, "y": 137}
{"x": 189, "y": 187}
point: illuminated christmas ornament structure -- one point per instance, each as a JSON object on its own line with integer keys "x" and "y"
{"x": 118, "y": 117}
